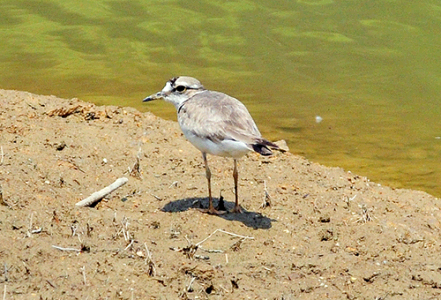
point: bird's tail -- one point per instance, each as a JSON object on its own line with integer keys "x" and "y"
{"x": 263, "y": 146}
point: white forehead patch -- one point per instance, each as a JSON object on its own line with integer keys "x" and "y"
{"x": 168, "y": 87}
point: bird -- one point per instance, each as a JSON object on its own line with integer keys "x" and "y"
{"x": 216, "y": 124}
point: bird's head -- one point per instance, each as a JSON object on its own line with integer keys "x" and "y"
{"x": 177, "y": 90}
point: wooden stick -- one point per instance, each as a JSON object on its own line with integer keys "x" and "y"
{"x": 97, "y": 196}
{"x": 66, "y": 249}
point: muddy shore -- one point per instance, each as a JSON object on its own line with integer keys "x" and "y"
{"x": 308, "y": 231}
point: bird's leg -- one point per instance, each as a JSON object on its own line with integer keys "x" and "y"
{"x": 237, "y": 208}
{"x": 211, "y": 209}
{"x": 208, "y": 175}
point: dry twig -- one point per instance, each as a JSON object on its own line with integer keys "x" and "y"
{"x": 266, "y": 197}
{"x": 190, "y": 250}
{"x": 66, "y": 249}
{"x": 6, "y": 272}
{"x": 226, "y": 232}
{"x": 135, "y": 171}
{"x": 125, "y": 228}
{"x": 30, "y": 230}
{"x": 2, "y": 201}
{"x": 129, "y": 245}
{"x": 83, "y": 270}
{"x": 366, "y": 214}
{"x": 97, "y": 196}
{"x": 189, "y": 288}
{"x": 64, "y": 112}
{"x": 149, "y": 262}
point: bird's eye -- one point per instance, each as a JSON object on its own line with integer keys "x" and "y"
{"x": 181, "y": 88}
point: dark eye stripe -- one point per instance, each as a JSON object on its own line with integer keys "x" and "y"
{"x": 185, "y": 88}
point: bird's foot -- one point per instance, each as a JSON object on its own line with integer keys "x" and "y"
{"x": 237, "y": 209}
{"x": 212, "y": 211}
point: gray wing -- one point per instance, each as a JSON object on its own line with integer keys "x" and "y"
{"x": 217, "y": 116}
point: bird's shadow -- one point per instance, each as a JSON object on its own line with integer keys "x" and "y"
{"x": 248, "y": 218}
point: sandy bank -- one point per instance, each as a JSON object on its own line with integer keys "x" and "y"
{"x": 328, "y": 233}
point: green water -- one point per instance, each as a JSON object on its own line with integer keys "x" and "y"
{"x": 370, "y": 69}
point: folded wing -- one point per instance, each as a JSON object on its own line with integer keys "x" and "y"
{"x": 221, "y": 117}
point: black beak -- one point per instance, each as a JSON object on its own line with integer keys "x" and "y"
{"x": 158, "y": 95}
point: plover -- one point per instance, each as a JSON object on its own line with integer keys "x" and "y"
{"x": 215, "y": 123}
